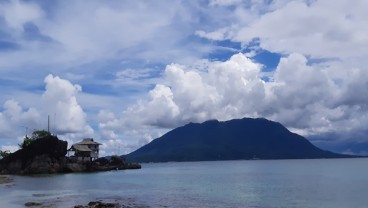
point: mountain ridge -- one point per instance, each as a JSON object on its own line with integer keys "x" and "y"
{"x": 246, "y": 138}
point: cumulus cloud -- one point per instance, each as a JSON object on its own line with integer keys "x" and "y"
{"x": 14, "y": 117}
{"x": 318, "y": 86}
{"x": 191, "y": 95}
{"x": 314, "y": 28}
{"x": 307, "y": 98}
{"x": 108, "y": 46}
{"x": 59, "y": 101}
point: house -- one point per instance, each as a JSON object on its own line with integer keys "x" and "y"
{"x": 86, "y": 150}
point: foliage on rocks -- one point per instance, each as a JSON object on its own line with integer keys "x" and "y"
{"x": 37, "y": 134}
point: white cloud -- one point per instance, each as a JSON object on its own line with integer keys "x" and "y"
{"x": 137, "y": 78}
{"x": 16, "y": 13}
{"x": 14, "y": 118}
{"x": 305, "y": 97}
{"x": 59, "y": 101}
{"x": 192, "y": 95}
{"x": 224, "y": 2}
{"x": 133, "y": 74}
{"x": 79, "y": 33}
{"x": 154, "y": 112}
{"x": 220, "y": 34}
{"x": 318, "y": 28}
{"x": 91, "y": 43}
{"x": 116, "y": 50}
{"x": 10, "y": 148}
{"x": 79, "y": 40}
{"x": 105, "y": 115}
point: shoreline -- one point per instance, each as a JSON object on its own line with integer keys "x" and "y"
{"x": 111, "y": 204}
{"x": 41, "y": 200}
{"x": 5, "y": 179}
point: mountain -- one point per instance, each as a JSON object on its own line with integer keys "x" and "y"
{"x": 236, "y": 139}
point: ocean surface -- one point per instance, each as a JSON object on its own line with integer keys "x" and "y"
{"x": 255, "y": 184}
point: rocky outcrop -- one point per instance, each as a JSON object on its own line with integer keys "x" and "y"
{"x": 111, "y": 204}
{"x": 112, "y": 163}
{"x": 75, "y": 167}
{"x": 98, "y": 204}
{"x": 101, "y": 164}
{"x": 47, "y": 155}
{"x": 44, "y": 155}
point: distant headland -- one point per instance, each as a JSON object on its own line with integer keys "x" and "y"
{"x": 238, "y": 139}
{"x": 47, "y": 154}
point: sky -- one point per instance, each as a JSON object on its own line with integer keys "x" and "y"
{"x": 125, "y": 71}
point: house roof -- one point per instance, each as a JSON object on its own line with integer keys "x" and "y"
{"x": 80, "y": 148}
{"x": 87, "y": 141}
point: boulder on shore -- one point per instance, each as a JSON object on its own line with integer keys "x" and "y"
{"x": 113, "y": 163}
{"x": 44, "y": 155}
{"x": 101, "y": 164}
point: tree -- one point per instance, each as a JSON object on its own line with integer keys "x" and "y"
{"x": 35, "y": 135}
{"x": 40, "y": 133}
{"x": 26, "y": 142}
{"x": 4, "y": 153}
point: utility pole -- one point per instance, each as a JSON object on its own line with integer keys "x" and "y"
{"x": 55, "y": 124}
{"x": 26, "y": 127}
{"x": 48, "y": 123}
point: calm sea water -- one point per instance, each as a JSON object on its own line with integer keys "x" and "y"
{"x": 258, "y": 183}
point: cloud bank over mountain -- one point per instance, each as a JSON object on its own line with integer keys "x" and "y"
{"x": 309, "y": 99}
{"x": 126, "y": 72}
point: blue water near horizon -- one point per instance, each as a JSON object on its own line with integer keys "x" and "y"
{"x": 334, "y": 183}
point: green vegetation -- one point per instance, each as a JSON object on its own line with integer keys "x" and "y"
{"x": 4, "y": 153}
{"x": 35, "y": 135}
{"x": 39, "y": 134}
{"x": 26, "y": 142}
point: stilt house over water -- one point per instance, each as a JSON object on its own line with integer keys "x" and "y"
{"x": 86, "y": 150}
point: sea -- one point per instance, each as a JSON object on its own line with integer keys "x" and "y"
{"x": 322, "y": 183}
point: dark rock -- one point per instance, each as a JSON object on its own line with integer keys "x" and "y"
{"x": 102, "y": 205}
{"x": 75, "y": 167}
{"x": 116, "y": 160}
{"x": 102, "y": 161}
{"x": 44, "y": 155}
{"x": 112, "y": 163}
{"x": 134, "y": 166}
{"x": 99, "y": 204}
{"x": 33, "y": 204}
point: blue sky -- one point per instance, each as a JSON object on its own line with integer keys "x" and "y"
{"x": 126, "y": 72}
